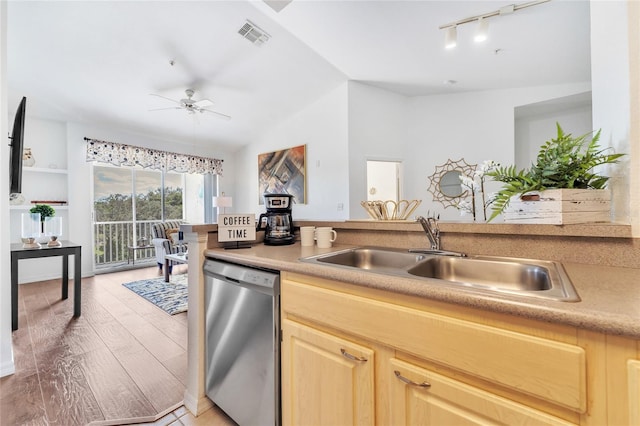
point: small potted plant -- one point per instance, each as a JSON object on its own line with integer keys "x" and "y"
{"x": 565, "y": 162}
{"x": 45, "y": 211}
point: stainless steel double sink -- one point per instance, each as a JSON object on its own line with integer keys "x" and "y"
{"x": 486, "y": 274}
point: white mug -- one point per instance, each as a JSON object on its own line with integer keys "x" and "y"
{"x": 307, "y": 236}
{"x": 325, "y": 236}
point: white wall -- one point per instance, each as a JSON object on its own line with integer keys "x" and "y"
{"x": 322, "y": 127}
{"x": 611, "y": 101}
{"x": 378, "y": 129}
{"x": 476, "y": 126}
{"x": 532, "y": 130}
{"x": 6, "y": 349}
{"x": 422, "y": 132}
{"x": 47, "y": 139}
{"x": 634, "y": 112}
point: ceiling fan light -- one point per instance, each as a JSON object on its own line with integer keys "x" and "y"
{"x": 450, "y": 37}
{"x": 482, "y": 30}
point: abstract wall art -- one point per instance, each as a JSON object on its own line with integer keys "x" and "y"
{"x": 283, "y": 172}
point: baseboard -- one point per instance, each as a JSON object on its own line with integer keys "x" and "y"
{"x": 8, "y": 368}
{"x": 136, "y": 420}
{"x": 197, "y": 406}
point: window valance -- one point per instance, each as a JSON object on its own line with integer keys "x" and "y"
{"x": 129, "y": 155}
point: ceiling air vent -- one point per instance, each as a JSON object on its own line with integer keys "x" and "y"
{"x": 253, "y": 33}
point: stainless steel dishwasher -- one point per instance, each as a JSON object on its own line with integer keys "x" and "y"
{"x": 243, "y": 341}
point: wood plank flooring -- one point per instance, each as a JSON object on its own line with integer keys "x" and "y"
{"x": 123, "y": 358}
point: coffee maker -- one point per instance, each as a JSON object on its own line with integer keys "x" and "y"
{"x": 277, "y": 222}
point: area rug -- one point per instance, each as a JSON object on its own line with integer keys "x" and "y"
{"x": 171, "y": 297}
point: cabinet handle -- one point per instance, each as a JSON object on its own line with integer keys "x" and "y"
{"x": 352, "y": 357}
{"x": 411, "y": 382}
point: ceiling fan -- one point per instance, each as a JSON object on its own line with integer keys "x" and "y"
{"x": 191, "y": 105}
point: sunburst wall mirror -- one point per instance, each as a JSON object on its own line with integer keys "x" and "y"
{"x": 445, "y": 184}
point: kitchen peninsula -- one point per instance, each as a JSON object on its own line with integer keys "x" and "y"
{"x": 549, "y": 361}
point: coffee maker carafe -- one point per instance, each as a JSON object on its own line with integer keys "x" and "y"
{"x": 277, "y": 222}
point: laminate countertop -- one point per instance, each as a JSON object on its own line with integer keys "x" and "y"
{"x": 610, "y": 296}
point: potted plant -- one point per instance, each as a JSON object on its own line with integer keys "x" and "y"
{"x": 565, "y": 162}
{"x": 45, "y": 211}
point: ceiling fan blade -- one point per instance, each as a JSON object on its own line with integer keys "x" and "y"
{"x": 203, "y": 103}
{"x": 219, "y": 114}
{"x": 164, "y": 97}
{"x": 162, "y": 109}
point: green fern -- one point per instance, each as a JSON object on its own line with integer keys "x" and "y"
{"x": 563, "y": 162}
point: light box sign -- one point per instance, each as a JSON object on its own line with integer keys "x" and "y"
{"x": 236, "y": 227}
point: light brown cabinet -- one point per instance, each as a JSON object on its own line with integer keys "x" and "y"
{"x": 434, "y": 363}
{"x": 326, "y": 380}
{"x": 634, "y": 391}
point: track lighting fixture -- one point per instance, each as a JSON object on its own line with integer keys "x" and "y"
{"x": 482, "y": 30}
{"x": 450, "y": 38}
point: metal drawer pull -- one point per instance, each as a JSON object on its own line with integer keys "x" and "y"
{"x": 352, "y": 357}
{"x": 411, "y": 382}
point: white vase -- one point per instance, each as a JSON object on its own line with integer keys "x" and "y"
{"x": 42, "y": 239}
{"x": 27, "y": 158}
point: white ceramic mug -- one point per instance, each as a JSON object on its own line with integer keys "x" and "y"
{"x": 307, "y": 236}
{"x": 325, "y": 236}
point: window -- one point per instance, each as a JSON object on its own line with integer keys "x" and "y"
{"x": 173, "y": 196}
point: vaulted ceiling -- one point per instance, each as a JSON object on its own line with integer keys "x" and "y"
{"x": 98, "y": 62}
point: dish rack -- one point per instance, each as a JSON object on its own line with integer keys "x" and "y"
{"x": 390, "y": 210}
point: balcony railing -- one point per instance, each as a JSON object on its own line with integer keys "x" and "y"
{"x": 113, "y": 239}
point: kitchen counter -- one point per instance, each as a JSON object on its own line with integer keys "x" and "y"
{"x": 610, "y": 295}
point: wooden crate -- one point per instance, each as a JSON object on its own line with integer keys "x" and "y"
{"x": 561, "y": 207}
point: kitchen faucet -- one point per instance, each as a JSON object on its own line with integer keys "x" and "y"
{"x": 430, "y": 226}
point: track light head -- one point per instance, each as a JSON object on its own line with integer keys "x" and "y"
{"x": 482, "y": 30}
{"x": 450, "y": 37}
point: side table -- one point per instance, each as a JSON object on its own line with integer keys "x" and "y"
{"x": 65, "y": 249}
{"x": 178, "y": 258}
{"x": 131, "y": 252}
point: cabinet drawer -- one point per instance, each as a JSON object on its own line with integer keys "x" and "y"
{"x": 549, "y": 370}
{"x": 434, "y": 399}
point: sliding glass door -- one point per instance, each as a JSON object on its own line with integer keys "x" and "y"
{"x": 126, "y": 202}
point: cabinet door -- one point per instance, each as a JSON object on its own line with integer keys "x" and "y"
{"x": 634, "y": 391}
{"x": 326, "y": 380}
{"x": 422, "y": 397}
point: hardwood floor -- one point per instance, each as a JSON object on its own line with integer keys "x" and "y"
{"x": 123, "y": 358}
